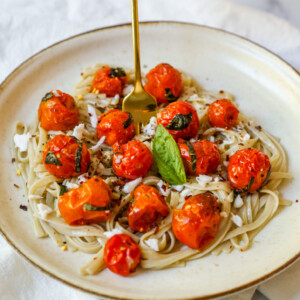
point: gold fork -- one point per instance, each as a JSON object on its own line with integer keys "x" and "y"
{"x": 139, "y": 103}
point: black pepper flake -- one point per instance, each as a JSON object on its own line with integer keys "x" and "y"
{"x": 23, "y": 207}
{"x": 258, "y": 127}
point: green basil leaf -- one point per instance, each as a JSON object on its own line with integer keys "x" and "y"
{"x": 180, "y": 122}
{"x": 78, "y": 159}
{"x": 167, "y": 157}
{"x": 169, "y": 95}
{"x": 192, "y": 155}
{"x": 127, "y": 123}
{"x": 246, "y": 189}
{"x": 63, "y": 190}
{"x": 51, "y": 159}
{"x": 117, "y": 72}
{"x": 47, "y": 97}
{"x": 94, "y": 208}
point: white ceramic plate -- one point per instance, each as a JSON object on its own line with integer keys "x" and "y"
{"x": 266, "y": 89}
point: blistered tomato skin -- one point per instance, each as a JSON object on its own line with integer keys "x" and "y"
{"x": 86, "y": 204}
{"x": 132, "y": 160}
{"x": 58, "y": 111}
{"x": 65, "y": 157}
{"x": 248, "y": 169}
{"x": 222, "y": 113}
{"x": 197, "y": 223}
{"x": 164, "y": 83}
{"x": 180, "y": 119}
{"x": 107, "y": 83}
{"x": 200, "y": 157}
{"x": 148, "y": 204}
{"x": 121, "y": 254}
{"x": 116, "y": 126}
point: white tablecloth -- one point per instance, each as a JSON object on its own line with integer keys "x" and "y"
{"x": 27, "y": 26}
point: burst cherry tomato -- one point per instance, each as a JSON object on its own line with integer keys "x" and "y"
{"x": 109, "y": 81}
{"x": 116, "y": 126}
{"x": 58, "y": 111}
{"x": 197, "y": 223}
{"x": 121, "y": 254}
{"x": 147, "y": 205}
{"x": 200, "y": 157}
{"x": 65, "y": 156}
{"x": 180, "y": 119}
{"x": 132, "y": 160}
{"x": 222, "y": 113}
{"x": 164, "y": 83}
{"x": 86, "y": 204}
{"x": 248, "y": 169}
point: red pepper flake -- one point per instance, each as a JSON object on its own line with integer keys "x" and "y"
{"x": 221, "y": 92}
{"x": 297, "y": 200}
{"x": 13, "y": 160}
{"x": 15, "y": 185}
{"x": 81, "y": 74}
{"x": 90, "y": 114}
{"x": 259, "y": 128}
{"x": 23, "y": 207}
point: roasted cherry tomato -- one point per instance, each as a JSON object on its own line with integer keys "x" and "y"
{"x": 200, "y": 157}
{"x": 109, "y": 81}
{"x": 132, "y": 160}
{"x": 121, "y": 254}
{"x": 65, "y": 156}
{"x": 197, "y": 223}
{"x": 86, "y": 204}
{"x": 164, "y": 83}
{"x": 180, "y": 119}
{"x": 222, "y": 113}
{"x": 116, "y": 126}
{"x": 58, "y": 111}
{"x": 248, "y": 169}
{"x": 147, "y": 205}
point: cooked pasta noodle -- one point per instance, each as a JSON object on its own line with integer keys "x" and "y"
{"x": 159, "y": 247}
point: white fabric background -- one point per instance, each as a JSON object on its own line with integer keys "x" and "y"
{"x": 27, "y": 26}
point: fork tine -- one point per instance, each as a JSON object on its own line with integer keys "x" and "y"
{"x": 137, "y": 126}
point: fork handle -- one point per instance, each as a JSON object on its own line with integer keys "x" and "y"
{"x": 136, "y": 44}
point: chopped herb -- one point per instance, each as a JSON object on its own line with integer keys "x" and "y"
{"x": 23, "y": 207}
{"x": 47, "y": 97}
{"x": 51, "y": 159}
{"x": 63, "y": 190}
{"x": 78, "y": 159}
{"x": 246, "y": 189}
{"x": 94, "y": 208}
{"x": 267, "y": 178}
{"x": 192, "y": 155}
{"x": 117, "y": 72}
{"x": 169, "y": 95}
{"x": 180, "y": 122}
{"x": 127, "y": 123}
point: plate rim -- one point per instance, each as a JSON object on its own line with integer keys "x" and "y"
{"x": 149, "y": 23}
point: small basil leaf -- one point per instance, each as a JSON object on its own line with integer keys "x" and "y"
{"x": 169, "y": 95}
{"x": 192, "y": 155}
{"x": 246, "y": 189}
{"x": 78, "y": 159}
{"x": 167, "y": 157}
{"x": 127, "y": 123}
{"x": 51, "y": 159}
{"x": 117, "y": 72}
{"x": 47, "y": 97}
{"x": 180, "y": 122}
{"x": 63, "y": 190}
{"x": 94, "y": 208}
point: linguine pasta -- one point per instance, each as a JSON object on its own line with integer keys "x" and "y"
{"x": 242, "y": 217}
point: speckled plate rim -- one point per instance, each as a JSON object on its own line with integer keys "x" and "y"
{"x": 251, "y": 43}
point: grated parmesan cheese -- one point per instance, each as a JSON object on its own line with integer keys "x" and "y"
{"x": 21, "y": 141}
{"x": 150, "y": 128}
{"x": 178, "y": 188}
{"x": 44, "y": 210}
{"x": 204, "y": 179}
{"x": 131, "y": 185}
{"x": 93, "y": 115}
{"x": 245, "y": 137}
{"x": 236, "y": 219}
{"x": 238, "y": 202}
{"x": 153, "y": 244}
{"x": 82, "y": 177}
{"x": 97, "y": 146}
{"x": 70, "y": 185}
{"x": 164, "y": 191}
{"x": 78, "y": 131}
